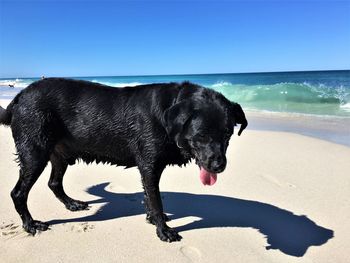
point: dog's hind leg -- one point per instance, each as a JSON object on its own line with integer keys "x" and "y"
{"x": 34, "y": 133}
{"x": 32, "y": 163}
{"x": 59, "y": 167}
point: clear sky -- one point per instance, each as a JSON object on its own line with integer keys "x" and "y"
{"x": 92, "y": 38}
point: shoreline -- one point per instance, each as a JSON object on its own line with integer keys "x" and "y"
{"x": 333, "y": 129}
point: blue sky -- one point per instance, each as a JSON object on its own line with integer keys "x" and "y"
{"x": 92, "y": 38}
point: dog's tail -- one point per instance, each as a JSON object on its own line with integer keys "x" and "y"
{"x": 6, "y": 114}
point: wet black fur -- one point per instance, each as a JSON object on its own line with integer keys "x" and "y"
{"x": 148, "y": 126}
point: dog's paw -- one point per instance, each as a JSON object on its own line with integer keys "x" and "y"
{"x": 35, "y": 225}
{"x": 76, "y": 205}
{"x": 168, "y": 234}
{"x": 151, "y": 220}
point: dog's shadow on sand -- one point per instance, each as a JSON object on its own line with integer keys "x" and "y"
{"x": 285, "y": 231}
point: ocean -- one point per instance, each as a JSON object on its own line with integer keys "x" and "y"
{"x": 321, "y": 93}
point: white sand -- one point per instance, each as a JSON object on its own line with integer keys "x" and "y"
{"x": 271, "y": 181}
{"x": 4, "y": 103}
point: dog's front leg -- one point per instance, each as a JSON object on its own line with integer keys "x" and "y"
{"x": 150, "y": 181}
{"x": 149, "y": 218}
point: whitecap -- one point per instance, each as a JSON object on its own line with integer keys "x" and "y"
{"x": 345, "y": 106}
{"x": 118, "y": 84}
{"x": 221, "y": 84}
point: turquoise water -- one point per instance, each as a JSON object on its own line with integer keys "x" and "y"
{"x": 307, "y": 92}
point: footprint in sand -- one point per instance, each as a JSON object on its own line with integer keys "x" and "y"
{"x": 83, "y": 227}
{"x": 10, "y": 230}
{"x": 271, "y": 179}
{"x": 191, "y": 253}
{"x": 275, "y": 181}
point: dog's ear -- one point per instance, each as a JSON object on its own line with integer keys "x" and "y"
{"x": 239, "y": 115}
{"x": 175, "y": 118}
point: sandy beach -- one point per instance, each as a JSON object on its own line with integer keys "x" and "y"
{"x": 284, "y": 197}
{"x": 156, "y": 82}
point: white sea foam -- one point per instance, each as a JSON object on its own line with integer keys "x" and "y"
{"x": 16, "y": 83}
{"x": 7, "y": 94}
{"x": 221, "y": 84}
{"x": 118, "y": 84}
{"x": 129, "y": 84}
{"x": 7, "y": 82}
{"x": 346, "y": 106}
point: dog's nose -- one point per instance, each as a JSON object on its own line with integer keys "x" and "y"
{"x": 217, "y": 164}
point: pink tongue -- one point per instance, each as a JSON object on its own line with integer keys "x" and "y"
{"x": 206, "y": 177}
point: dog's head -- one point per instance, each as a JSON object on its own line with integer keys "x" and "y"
{"x": 203, "y": 128}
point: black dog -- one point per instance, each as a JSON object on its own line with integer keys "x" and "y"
{"x": 148, "y": 126}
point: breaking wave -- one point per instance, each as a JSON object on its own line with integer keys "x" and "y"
{"x": 289, "y": 97}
